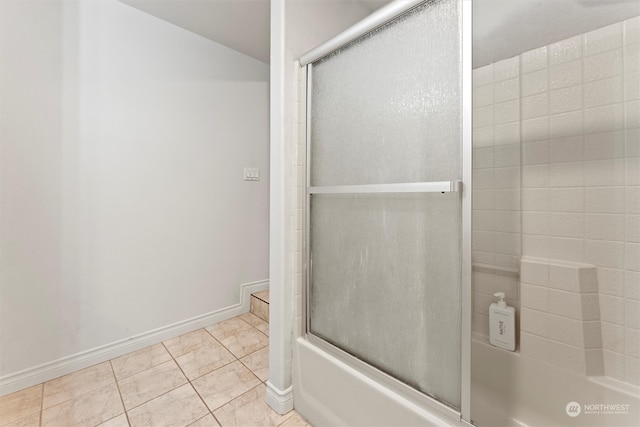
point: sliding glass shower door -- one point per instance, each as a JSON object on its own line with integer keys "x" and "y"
{"x": 385, "y": 132}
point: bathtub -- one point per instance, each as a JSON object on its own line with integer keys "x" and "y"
{"x": 329, "y": 392}
{"x": 507, "y": 389}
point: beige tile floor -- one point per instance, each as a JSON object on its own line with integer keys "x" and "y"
{"x": 210, "y": 377}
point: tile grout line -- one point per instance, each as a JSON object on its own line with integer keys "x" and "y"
{"x": 41, "y": 405}
{"x": 191, "y": 384}
{"x": 124, "y": 408}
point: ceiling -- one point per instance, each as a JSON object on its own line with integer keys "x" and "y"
{"x": 502, "y": 28}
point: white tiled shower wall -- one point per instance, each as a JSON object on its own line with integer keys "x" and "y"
{"x": 557, "y": 142}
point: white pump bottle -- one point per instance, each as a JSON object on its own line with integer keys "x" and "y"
{"x": 502, "y": 324}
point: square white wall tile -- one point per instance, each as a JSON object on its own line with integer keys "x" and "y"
{"x": 603, "y": 92}
{"x": 534, "y": 82}
{"x": 632, "y": 370}
{"x": 604, "y": 253}
{"x": 535, "y": 106}
{"x": 632, "y": 228}
{"x": 632, "y": 256}
{"x": 483, "y": 137}
{"x": 632, "y": 313}
{"x": 564, "y": 278}
{"x": 603, "y": 65}
{"x": 485, "y": 220}
{"x": 534, "y": 297}
{"x": 510, "y": 262}
{"x": 565, "y": 99}
{"x": 604, "y": 119}
{"x": 613, "y": 337}
{"x": 507, "y": 134}
{"x": 565, "y": 50}
{"x": 507, "y": 200}
{"x": 506, "y": 155}
{"x": 535, "y": 176}
{"x": 506, "y": 69}
{"x": 508, "y": 177}
{"x": 632, "y": 342}
{"x": 535, "y": 153}
{"x": 535, "y": 223}
{"x": 632, "y": 196}
{"x": 565, "y": 75}
{"x": 566, "y": 225}
{"x": 483, "y": 95}
{"x": 631, "y": 58}
{"x": 566, "y": 304}
{"x": 605, "y": 200}
{"x": 566, "y": 174}
{"x": 506, "y": 112}
{"x": 632, "y": 285}
{"x": 507, "y": 221}
{"x": 632, "y": 171}
{"x": 481, "y": 257}
{"x": 566, "y": 150}
{"x": 632, "y": 114}
{"x": 566, "y": 249}
{"x": 535, "y": 246}
{"x": 632, "y": 31}
{"x": 484, "y": 241}
{"x": 632, "y": 86}
{"x": 507, "y": 243}
{"x": 533, "y": 60}
{"x": 483, "y": 179}
{"x": 606, "y": 145}
{"x": 483, "y": 76}
{"x": 603, "y": 39}
{"x": 566, "y": 124}
{"x": 614, "y": 364}
{"x": 535, "y": 199}
{"x": 612, "y": 309}
{"x": 565, "y": 356}
{"x": 534, "y": 321}
{"x": 507, "y": 90}
{"x": 483, "y": 116}
{"x": 534, "y": 272}
{"x": 535, "y": 129}
{"x": 601, "y": 173}
{"x": 611, "y": 281}
{"x": 482, "y": 199}
{"x": 566, "y": 200}
{"x": 605, "y": 227}
{"x": 483, "y": 158}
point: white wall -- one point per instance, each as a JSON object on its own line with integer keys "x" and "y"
{"x": 123, "y": 207}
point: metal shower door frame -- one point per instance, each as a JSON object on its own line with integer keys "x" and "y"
{"x": 375, "y": 20}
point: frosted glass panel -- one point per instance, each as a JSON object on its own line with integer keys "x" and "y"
{"x": 386, "y": 108}
{"x": 385, "y": 284}
{"x": 385, "y": 269}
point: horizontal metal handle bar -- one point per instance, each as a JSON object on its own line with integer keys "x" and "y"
{"x": 412, "y": 187}
{"x": 371, "y": 22}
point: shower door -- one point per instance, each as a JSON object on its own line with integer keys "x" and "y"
{"x": 386, "y": 258}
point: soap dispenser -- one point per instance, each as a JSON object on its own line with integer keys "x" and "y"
{"x": 502, "y": 324}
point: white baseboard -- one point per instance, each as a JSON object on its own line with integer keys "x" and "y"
{"x": 54, "y": 369}
{"x": 280, "y": 401}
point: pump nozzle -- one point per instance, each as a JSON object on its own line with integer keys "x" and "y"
{"x": 500, "y": 295}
